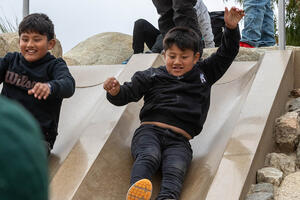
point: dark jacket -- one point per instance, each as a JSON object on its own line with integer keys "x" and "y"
{"x": 19, "y": 76}
{"x": 179, "y": 101}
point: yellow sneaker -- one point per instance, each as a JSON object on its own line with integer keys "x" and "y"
{"x": 140, "y": 190}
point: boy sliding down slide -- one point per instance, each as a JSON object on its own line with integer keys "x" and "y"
{"x": 176, "y": 103}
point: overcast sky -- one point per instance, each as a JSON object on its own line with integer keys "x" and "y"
{"x": 75, "y": 20}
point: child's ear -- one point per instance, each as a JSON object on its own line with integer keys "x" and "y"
{"x": 51, "y": 44}
{"x": 196, "y": 57}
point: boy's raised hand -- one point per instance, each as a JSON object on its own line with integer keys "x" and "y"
{"x": 233, "y": 16}
{"x": 40, "y": 91}
{"x": 112, "y": 86}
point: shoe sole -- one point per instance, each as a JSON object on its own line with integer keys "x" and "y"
{"x": 141, "y": 190}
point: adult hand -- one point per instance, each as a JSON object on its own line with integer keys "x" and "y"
{"x": 40, "y": 91}
{"x": 233, "y": 16}
{"x": 112, "y": 86}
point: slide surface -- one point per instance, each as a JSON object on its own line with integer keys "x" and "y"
{"x": 92, "y": 159}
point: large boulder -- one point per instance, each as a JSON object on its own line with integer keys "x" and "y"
{"x": 269, "y": 175}
{"x": 104, "y": 48}
{"x": 287, "y": 131}
{"x": 290, "y": 188}
{"x": 281, "y": 161}
{"x": 9, "y": 42}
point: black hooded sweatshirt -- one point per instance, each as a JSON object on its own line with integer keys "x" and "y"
{"x": 19, "y": 76}
{"x": 179, "y": 101}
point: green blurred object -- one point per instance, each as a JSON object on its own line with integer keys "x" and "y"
{"x": 23, "y": 160}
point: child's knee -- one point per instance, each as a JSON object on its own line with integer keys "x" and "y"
{"x": 151, "y": 157}
{"x": 177, "y": 168}
{"x": 140, "y": 23}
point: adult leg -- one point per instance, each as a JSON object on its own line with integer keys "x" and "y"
{"x": 165, "y": 10}
{"x": 146, "y": 151}
{"x": 253, "y": 21}
{"x": 143, "y": 32}
{"x": 267, "y": 32}
{"x": 185, "y": 14}
{"x": 176, "y": 158}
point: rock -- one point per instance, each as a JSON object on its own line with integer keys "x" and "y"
{"x": 282, "y": 162}
{"x": 245, "y": 54}
{"x": 269, "y": 175}
{"x": 103, "y": 48}
{"x": 70, "y": 61}
{"x": 260, "y": 196}
{"x": 298, "y": 156}
{"x": 10, "y": 42}
{"x": 292, "y": 105}
{"x": 3, "y": 47}
{"x": 57, "y": 49}
{"x": 289, "y": 188}
{"x": 287, "y": 131}
{"x": 261, "y": 187}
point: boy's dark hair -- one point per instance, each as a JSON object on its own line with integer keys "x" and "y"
{"x": 37, "y": 22}
{"x": 183, "y": 37}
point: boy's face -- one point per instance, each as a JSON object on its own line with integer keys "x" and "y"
{"x": 35, "y": 46}
{"x": 179, "y": 62}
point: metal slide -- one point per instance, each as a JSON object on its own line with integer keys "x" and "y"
{"x": 91, "y": 158}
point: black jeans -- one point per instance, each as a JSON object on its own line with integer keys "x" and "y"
{"x": 153, "y": 148}
{"x": 176, "y": 13}
{"x": 145, "y": 32}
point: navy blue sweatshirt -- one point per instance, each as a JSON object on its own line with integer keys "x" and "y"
{"x": 19, "y": 76}
{"x": 179, "y": 101}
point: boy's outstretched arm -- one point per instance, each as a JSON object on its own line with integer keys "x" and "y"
{"x": 112, "y": 86}
{"x": 62, "y": 83}
{"x": 217, "y": 64}
{"x": 132, "y": 91}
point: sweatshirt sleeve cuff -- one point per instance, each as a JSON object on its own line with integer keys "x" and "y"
{"x": 113, "y": 99}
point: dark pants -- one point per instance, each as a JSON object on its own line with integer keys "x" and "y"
{"x": 153, "y": 148}
{"x": 176, "y": 13}
{"x": 49, "y": 136}
{"x": 145, "y": 32}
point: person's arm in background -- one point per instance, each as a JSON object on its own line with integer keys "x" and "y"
{"x": 204, "y": 24}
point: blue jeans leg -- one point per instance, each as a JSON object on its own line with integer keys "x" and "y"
{"x": 267, "y": 32}
{"x": 256, "y": 11}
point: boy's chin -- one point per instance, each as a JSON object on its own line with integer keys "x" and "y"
{"x": 31, "y": 58}
{"x": 177, "y": 73}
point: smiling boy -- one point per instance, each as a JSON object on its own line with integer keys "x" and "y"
{"x": 34, "y": 77}
{"x": 176, "y": 103}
